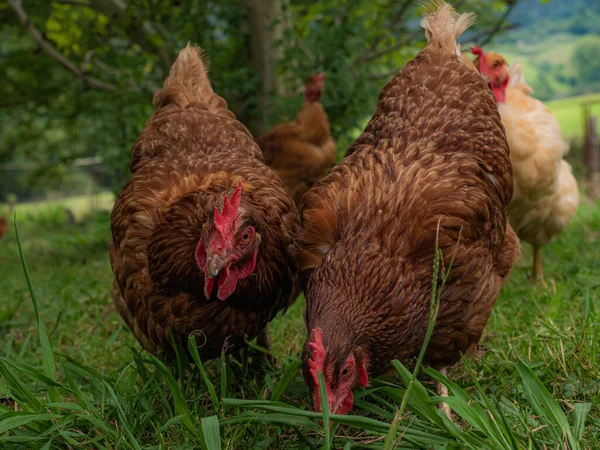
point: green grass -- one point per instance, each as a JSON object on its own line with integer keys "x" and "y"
{"x": 80, "y": 205}
{"x": 568, "y": 112}
{"x": 96, "y": 388}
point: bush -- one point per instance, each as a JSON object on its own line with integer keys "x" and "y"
{"x": 586, "y": 57}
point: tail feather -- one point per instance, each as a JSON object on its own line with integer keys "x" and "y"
{"x": 443, "y": 25}
{"x": 187, "y": 81}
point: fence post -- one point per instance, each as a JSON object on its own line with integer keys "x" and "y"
{"x": 592, "y": 155}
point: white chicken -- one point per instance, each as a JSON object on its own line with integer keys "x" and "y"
{"x": 545, "y": 195}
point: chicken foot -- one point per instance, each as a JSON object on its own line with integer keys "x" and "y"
{"x": 442, "y": 391}
{"x": 536, "y": 273}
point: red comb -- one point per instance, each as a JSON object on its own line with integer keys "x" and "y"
{"x": 225, "y": 219}
{"x": 317, "y": 359}
{"x": 477, "y": 50}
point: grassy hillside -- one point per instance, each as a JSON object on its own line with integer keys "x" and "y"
{"x": 546, "y": 64}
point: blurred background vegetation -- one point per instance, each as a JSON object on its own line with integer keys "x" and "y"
{"x": 79, "y": 74}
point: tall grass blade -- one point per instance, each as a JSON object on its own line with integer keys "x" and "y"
{"x": 544, "y": 405}
{"x": 211, "y": 432}
{"x": 288, "y": 375}
{"x": 181, "y": 406}
{"x": 193, "y": 349}
{"x": 124, "y": 423}
{"x": 17, "y": 419}
{"x": 23, "y": 395}
{"x": 581, "y": 413}
{"x": 325, "y": 411}
{"x": 47, "y": 352}
{"x": 270, "y": 419}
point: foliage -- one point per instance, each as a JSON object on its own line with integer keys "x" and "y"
{"x": 113, "y": 395}
{"x": 120, "y": 52}
{"x": 586, "y": 56}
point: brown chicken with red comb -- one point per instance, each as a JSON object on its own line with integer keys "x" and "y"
{"x": 302, "y": 151}
{"x": 203, "y": 233}
{"x": 431, "y": 168}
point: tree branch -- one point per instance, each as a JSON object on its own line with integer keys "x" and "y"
{"x": 396, "y": 18}
{"x": 499, "y": 26}
{"x": 73, "y": 2}
{"x": 49, "y": 49}
{"x": 481, "y": 38}
{"x": 392, "y": 48}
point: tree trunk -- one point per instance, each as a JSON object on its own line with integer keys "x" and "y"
{"x": 267, "y": 20}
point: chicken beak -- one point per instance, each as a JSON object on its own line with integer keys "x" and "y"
{"x": 215, "y": 264}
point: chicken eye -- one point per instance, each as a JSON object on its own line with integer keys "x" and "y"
{"x": 245, "y": 237}
{"x": 345, "y": 372}
{"x": 496, "y": 64}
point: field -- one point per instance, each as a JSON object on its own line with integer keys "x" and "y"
{"x": 568, "y": 112}
{"x": 537, "y": 58}
{"x": 544, "y": 59}
{"x": 90, "y": 385}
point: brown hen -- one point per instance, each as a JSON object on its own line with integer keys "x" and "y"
{"x": 203, "y": 233}
{"x": 434, "y": 155}
{"x": 302, "y": 151}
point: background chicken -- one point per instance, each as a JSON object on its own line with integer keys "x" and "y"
{"x": 301, "y": 151}
{"x": 433, "y": 157}
{"x": 203, "y": 231}
{"x": 3, "y": 227}
{"x": 545, "y": 191}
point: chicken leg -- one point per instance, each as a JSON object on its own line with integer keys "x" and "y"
{"x": 536, "y": 273}
{"x": 442, "y": 391}
{"x": 264, "y": 341}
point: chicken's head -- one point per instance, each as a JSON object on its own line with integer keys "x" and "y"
{"x": 495, "y": 69}
{"x": 314, "y": 87}
{"x": 228, "y": 248}
{"x": 342, "y": 371}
